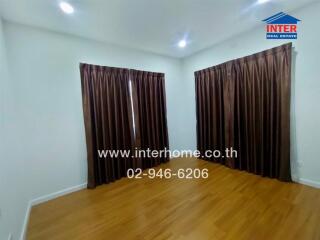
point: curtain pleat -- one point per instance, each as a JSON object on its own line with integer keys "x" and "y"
{"x": 245, "y": 104}
{"x": 150, "y": 98}
{"x": 108, "y": 118}
{"x": 119, "y": 119}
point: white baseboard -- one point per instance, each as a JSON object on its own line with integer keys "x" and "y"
{"x": 43, "y": 199}
{"x": 25, "y": 222}
{"x": 60, "y": 193}
{"x": 309, "y": 182}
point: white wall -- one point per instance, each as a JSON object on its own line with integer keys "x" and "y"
{"x": 305, "y": 131}
{"x": 46, "y": 116}
{"x": 13, "y": 198}
{"x": 3, "y": 75}
{"x": 12, "y": 205}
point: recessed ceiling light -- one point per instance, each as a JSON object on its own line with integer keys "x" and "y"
{"x": 262, "y": 1}
{"x": 66, "y": 7}
{"x": 182, "y": 43}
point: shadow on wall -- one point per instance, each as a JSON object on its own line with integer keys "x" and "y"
{"x": 293, "y": 124}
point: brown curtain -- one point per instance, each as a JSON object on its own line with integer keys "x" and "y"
{"x": 245, "y": 104}
{"x": 108, "y": 121}
{"x": 150, "y": 101}
{"x": 116, "y": 120}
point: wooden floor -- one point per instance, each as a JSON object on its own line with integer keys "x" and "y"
{"x": 230, "y": 204}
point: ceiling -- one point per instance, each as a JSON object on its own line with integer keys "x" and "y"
{"x": 150, "y": 25}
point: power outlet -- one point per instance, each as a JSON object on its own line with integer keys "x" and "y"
{"x": 10, "y": 236}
